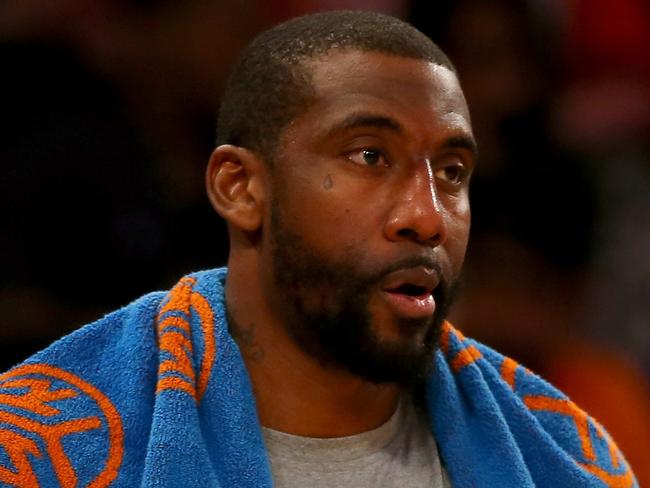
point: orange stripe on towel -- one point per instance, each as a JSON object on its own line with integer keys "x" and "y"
{"x": 175, "y": 383}
{"x": 581, "y": 420}
{"x": 570, "y": 409}
{"x": 444, "y": 337}
{"x": 178, "y": 297}
{"x": 182, "y": 298}
{"x": 614, "y": 453}
{"x": 447, "y": 329}
{"x": 509, "y": 370}
{"x": 465, "y": 357}
{"x": 206, "y": 316}
{"x": 178, "y": 322}
{"x": 178, "y": 346}
{"x": 623, "y": 480}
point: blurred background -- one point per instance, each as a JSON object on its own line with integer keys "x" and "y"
{"x": 107, "y": 113}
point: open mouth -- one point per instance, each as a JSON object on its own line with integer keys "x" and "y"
{"x": 411, "y": 290}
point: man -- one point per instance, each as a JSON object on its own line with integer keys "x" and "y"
{"x": 321, "y": 355}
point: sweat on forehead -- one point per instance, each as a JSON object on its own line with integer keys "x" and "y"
{"x": 271, "y": 84}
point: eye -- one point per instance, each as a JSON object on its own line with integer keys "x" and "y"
{"x": 368, "y": 157}
{"x": 453, "y": 173}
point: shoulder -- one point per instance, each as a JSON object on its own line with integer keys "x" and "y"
{"x": 534, "y": 421}
{"x": 80, "y": 412}
{"x": 117, "y": 330}
{"x": 62, "y": 411}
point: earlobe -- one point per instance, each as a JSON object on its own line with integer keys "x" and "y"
{"x": 234, "y": 183}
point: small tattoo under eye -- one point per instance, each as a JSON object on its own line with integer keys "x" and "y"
{"x": 328, "y": 183}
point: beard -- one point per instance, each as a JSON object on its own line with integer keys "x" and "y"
{"x": 326, "y": 310}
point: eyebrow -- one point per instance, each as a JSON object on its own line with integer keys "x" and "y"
{"x": 366, "y": 120}
{"x": 462, "y": 142}
{"x": 361, "y": 120}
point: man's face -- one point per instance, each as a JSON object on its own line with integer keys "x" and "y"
{"x": 369, "y": 219}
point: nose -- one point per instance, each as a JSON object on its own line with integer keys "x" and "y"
{"x": 418, "y": 215}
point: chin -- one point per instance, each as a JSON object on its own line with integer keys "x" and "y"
{"x": 405, "y": 357}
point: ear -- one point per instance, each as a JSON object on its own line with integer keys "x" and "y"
{"x": 235, "y": 185}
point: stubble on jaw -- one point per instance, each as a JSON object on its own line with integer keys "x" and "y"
{"x": 326, "y": 312}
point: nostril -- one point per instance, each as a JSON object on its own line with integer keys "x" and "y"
{"x": 412, "y": 235}
{"x": 407, "y": 233}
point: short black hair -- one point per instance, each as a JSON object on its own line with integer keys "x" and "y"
{"x": 270, "y": 85}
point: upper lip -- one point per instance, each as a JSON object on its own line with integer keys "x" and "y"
{"x": 420, "y": 276}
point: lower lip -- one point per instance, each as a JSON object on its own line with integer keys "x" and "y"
{"x": 409, "y": 306}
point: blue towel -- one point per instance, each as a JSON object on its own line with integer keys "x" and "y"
{"x": 156, "y": 394}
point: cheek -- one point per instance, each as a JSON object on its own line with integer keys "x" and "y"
{"x": 458, "y": 234}
{"x": 331, "y": 206}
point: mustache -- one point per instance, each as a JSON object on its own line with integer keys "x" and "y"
{"x": 444, "y": 294}
{"x": 425, "y": 261}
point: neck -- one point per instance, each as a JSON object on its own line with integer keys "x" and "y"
{"x": 294, "y": 392}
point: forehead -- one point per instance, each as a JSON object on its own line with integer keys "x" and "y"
{"x": 413, "y": 90}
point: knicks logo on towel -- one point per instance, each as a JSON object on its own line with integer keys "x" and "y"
{"x": 179, "y": 343}
{"x": 42, "y": 438}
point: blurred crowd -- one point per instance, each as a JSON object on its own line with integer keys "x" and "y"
{"x": 108, "y": 119}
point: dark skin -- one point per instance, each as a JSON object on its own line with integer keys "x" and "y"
{"x": 378, "y": 168}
